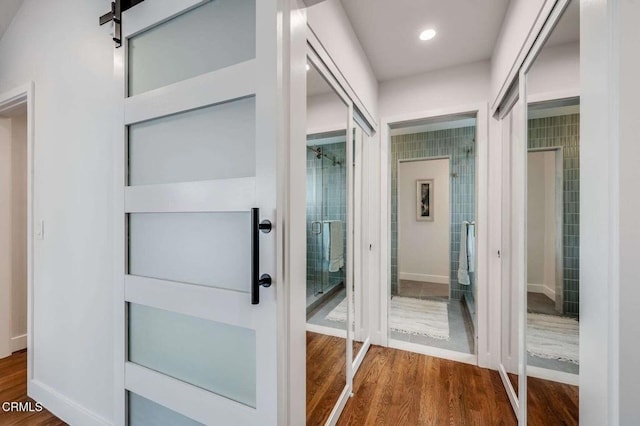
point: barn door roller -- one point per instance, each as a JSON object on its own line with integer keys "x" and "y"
{"x": 115, "y": 15}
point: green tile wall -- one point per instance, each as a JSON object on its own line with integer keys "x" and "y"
{"x": 564, "y": 131}
{"x": 459, "y": 145}
{"x": 326, "y": 200}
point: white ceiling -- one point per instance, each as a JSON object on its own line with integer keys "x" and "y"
{"x": 388, "y": 31}
{"x": 8, "y": 9}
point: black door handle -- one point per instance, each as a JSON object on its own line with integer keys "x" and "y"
{"x": 257, "y": 280}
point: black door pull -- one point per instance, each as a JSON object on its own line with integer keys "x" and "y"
{"x": 257, "y": 280}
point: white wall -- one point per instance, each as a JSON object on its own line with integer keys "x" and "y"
{"x": 609, "y": 232}
{"x": 629, "y": 198}
{"x": 541, "y": 222}
{"x": 330, "y": 23}
{"x": 514, "y": 40}
{"x": 19, "y": 230}
{"x": 423, "y": 254}
{"x": 72, "y": 67}
{"x": 451, "y": 87}
{"x": 325, "y": 112}
{"x": 556, "y": 70}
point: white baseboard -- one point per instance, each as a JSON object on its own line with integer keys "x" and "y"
{"x": 553, "y": 375}
{"x": 541, "y": 288}
{"x": 435, "y": 352}
{"x": 437, "y": 279}
{"x": 329, "y": 331}
{"x": 18, "y": 343}
{"x": 64, "y": 408}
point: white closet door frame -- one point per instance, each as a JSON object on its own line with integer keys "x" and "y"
{"x": 360, "y": 250}
{"x": 508, "y": 119}
{"x": 256, "y": 77}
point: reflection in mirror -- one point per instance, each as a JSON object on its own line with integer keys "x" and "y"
{"x": 326, "y": 247}
{"x": 433, "y": 236}
{"x": 553, "y": 221}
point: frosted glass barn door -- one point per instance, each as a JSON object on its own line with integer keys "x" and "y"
{"x": 198, "y": 167}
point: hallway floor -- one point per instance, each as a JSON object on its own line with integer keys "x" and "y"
{"x": 13, "y": 387}
{"x": 395, "y": 387}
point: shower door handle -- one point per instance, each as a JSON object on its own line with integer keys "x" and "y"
{"x": 263, "y": 280}
{"x": 313, "y": 224}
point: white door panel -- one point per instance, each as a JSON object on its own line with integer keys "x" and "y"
{"x": 227, "y": 84}
{"x": 222, "y": 195}
{"x": 197, "y": 157}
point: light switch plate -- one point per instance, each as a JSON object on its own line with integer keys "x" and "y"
{"x": 40, "y": 230}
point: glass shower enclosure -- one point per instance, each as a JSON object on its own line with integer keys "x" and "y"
{"x": 326, "y": 208}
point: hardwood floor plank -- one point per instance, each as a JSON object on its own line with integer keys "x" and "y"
{"x": 13, "y": 387}
{"x": 396, "y": 387}
{"x": 326, "y": 375}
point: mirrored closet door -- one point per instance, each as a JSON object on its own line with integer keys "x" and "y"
{"x": 337, "y": 320}
{"x": 551, "y": 87}
{"x": 329, "y": 261}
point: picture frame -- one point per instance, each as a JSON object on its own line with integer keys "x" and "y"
{"x": 425, "y": 200}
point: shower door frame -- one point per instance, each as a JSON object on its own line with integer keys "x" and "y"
{"x": 318, "y": 238}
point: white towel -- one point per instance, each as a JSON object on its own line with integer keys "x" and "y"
{"x": 471, "y": 246}
{"x": 463, "y": 265}
{"x": 333, "y": 244}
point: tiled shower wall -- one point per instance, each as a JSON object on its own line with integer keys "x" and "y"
{"x": 459, "y": 145}
{"x": 326, "y": 200}
{"x": 564, "y": 131}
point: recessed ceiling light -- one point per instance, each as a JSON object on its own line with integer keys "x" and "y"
{"x": 427, "y": 34}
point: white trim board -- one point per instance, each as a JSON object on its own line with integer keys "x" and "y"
{"x": 425, "y": 278}
{"x": 61, "y": 406}
{"x": 553, "y": 375}
{"x": 19, "y": 343}
{"x": 433, "y": 351}
{"x": 432, "y": 127}
{"x": 541, "y": 288}
{"x": 328, "y": 331}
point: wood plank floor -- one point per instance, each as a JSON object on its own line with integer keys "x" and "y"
{"x": 396, "y": 387}
{"x": 551, "y": 400}
{"x": 13, "y": 387}
{"x": 392, "y": 387}
{"x": 326, "y": 376}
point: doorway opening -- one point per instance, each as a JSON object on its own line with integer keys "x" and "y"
{"x": 432, "y": 291}
{"x": 433, "y": 234}
{"x": 13, "y": 219}
{"x": 16, "y": 153}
